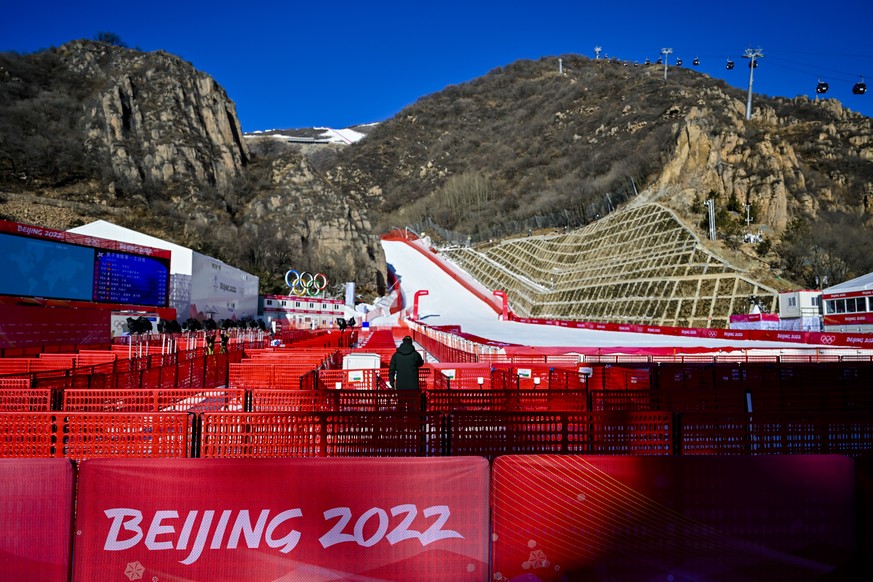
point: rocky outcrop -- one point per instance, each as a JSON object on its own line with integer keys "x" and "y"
{"x": 155, "y": 120}
{"x": 785, "y": 167}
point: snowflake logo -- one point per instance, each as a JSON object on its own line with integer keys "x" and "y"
{"x": 134, "y": 570}
{"x": 537, "y": 559}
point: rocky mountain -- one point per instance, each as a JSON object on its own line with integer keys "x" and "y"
{"x": 90, "y": 130}
{"x": 143, "y": 139}
{"x": 529, "y": 146}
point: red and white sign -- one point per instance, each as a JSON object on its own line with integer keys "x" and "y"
{"x": 283, "y": 519}
{"x": 36, "y": 505}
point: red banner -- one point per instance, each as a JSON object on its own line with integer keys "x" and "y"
{"x": 36, "y": 504}
{"x": 283, "y": 519}
{"x": 673, "y": 518}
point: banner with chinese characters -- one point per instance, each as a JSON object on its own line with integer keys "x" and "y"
{"x": 673, "y": 518}
{"x": 284, "y": 519}
{"x": 36, "y": 508}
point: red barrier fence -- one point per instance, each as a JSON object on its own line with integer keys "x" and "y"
{"x": 25, "y": 399}
{"x": 253, "y": 374}
{"x": 639, "y": 400}
{"x": 368, "y": 379}
{"x": 161, "y": 400}
{"x": 335, "y": 401}
{"x": 783, "y": 433}
{"x": 506, "y": 400}
{"x": 492, "y": 434}
{"x": 319, "y": 434}
{"x": 84, "y": 435}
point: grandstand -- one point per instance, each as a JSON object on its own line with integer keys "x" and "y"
{"x": 639, "y": 265}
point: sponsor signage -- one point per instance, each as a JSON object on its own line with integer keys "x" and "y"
{"x": 283, "y": 519}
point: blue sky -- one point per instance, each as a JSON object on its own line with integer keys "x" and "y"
{"x": 335, "y": 64}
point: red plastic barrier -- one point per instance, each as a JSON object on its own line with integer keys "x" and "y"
{"x": 319, "y": 434}
{"x": 506, "y": 400}
{"x": 264, "y": 373}
{"x": 83, "y": 435}
{"x": 335, "y": 400}
{"x": 350, "y": 379}
{"x": 36, "y": 502}
{"x": 14, "y": 383}
{"x": 673, "y": 518}
{"x": 622, "y": 400}
{"x": 166, "y": 400}
{"x": 298, "y": 519}
{"x": 776, "y": 433}
{"x": 25, "y": 399}
{"x": 492, "y": 434}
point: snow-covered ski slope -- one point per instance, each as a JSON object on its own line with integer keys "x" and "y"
{"x": 449, "y": 303}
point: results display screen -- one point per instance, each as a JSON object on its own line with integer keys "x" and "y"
{"x": 131, "y": 279}
{"x": 34, "y": 267}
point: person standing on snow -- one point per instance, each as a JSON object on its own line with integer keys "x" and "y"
{"x": 403, "y": 369}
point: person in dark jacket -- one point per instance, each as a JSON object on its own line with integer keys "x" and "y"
{"x": 403, "y": 369}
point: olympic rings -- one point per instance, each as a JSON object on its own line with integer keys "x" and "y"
{"x": 305, "y": 283}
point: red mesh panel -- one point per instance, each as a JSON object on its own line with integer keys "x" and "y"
{"x": 640, "y": 400}
{"x": 25, "y": 399}
{"x": 335, "y": 400}
{"x": 491, "y": 434}
{"x": 27, "y": 434}
{"x": 506, "y": 400}
{"x": 126, "y": 435}
{"x": 14, "y": 382}
{"x": 166, "y": 400}
{"x": 318, "y": 434}
{"x": 776, "y": 433}
{"x": 349, "y": 379}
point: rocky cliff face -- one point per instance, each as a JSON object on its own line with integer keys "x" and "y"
{"x": 785, "y": 166}
{"x": 156, "y": 120}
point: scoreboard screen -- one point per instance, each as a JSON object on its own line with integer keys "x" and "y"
{"x": 31, "y": 267}
{"x": 130, "y": 279}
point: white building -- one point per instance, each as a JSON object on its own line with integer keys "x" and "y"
{"x": 800, "y": 310}
{"x": 848, "y": 307}
{"x": 201, "y": 287}
{"x": 307, "y": 312}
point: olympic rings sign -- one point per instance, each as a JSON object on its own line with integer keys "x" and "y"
{"x": 305, "y": 283}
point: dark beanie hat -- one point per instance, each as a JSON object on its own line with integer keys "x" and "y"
{"x": 407, "y": 340}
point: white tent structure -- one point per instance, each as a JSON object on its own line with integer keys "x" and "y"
{"x": 200, "y": 286}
